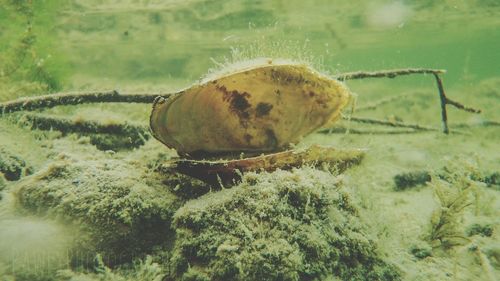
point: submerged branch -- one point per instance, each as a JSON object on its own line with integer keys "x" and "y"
{"x": 386, "y": 73}
{"x": 408, "y": 71}
{"x": 49, "y": 101}
{"x": 343, "y": 130}
{"x": 65, "y": 125}
{"x": 390, "y": 123}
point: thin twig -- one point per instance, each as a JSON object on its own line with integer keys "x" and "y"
{"x": 462, "y": 107}
{"x": 400, "y": 72}
{"x": 442, "y": 97}
{"x": 386, "y": 73}
{"x": 49, "y": 101}
{"x": 391, "y": 123}
{"x": 343, "y": 130}
{"x": 445, "y": 101}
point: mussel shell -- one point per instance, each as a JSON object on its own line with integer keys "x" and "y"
{"x": 260, "y": 109}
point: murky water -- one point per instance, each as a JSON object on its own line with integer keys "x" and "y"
{"x": 123, "y": 208}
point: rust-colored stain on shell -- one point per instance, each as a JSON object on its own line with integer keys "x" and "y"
{"x": 261, "y": 109}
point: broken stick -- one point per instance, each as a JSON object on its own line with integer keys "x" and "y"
{"x": 408, "y": 71}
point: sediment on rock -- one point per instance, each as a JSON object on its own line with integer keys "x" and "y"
{"x": 296, "y": 225}
{"x": 12, "y": 166}
{"x": 122, "y": 210}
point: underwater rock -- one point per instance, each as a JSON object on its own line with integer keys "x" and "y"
{"x": 421, "y": 250}
{"x": 491, "y": 180}
{"x": 12, "y": 166}
{"x": 485, "y": 230}
{"x": 121, "y": 209}
{"x": 411, "y": 179}
{"x": 116, "y": 142}
{"x": 185, "y": 186}
{"x": 285, "y": 225}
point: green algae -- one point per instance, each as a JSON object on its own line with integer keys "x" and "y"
{"x": 296, "y": 225}
{"x": 480, "y": 229}
{"x": 455, "y": 190}
{"x": 12, "y": 166}
{"x": 143, "y": 270}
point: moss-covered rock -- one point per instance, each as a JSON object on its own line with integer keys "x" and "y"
{"x": 421, "y": 250}
{"x": 485, "y": 230}
{"x": 294, "y": 225}
{"x": 122, "y": 210}
{"x": 12, "y": 166}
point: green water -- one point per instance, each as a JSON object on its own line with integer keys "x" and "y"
{"x": 123, "y": 207}
{"x": 143, "y": 41}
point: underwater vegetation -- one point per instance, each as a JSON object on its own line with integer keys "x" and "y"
{"x": 122, "y": 214}
{"x": 12, "y": 167}
{"x": 286, "y": 225}
{"x": 417, "y": 178}
{"x": 453, "y": 197}
{"x": 296, "y": 225}
{"x": 142, "y": 270}
{"x": 83, "y": 190}
{"x": 457, "y": 188}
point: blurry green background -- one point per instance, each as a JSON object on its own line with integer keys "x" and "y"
{"x": 105, "y": 43}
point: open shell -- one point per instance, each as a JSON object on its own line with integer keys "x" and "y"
{"x": 230, "y": 171}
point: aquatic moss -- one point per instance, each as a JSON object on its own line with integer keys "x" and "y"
{"x": 485, "y": 230}
{"x": 117, "y": 142}
{"x": 294, "y": 225}
{"x": 12, "y": 166}
{"x": 122, "y": 210}
{"x": 421, "y": 251}
{"x": 453, "y": 190}
{"x": 141, "y": 270}
{"x": 490, "y": 179}
{"x": 410, "y": 179}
